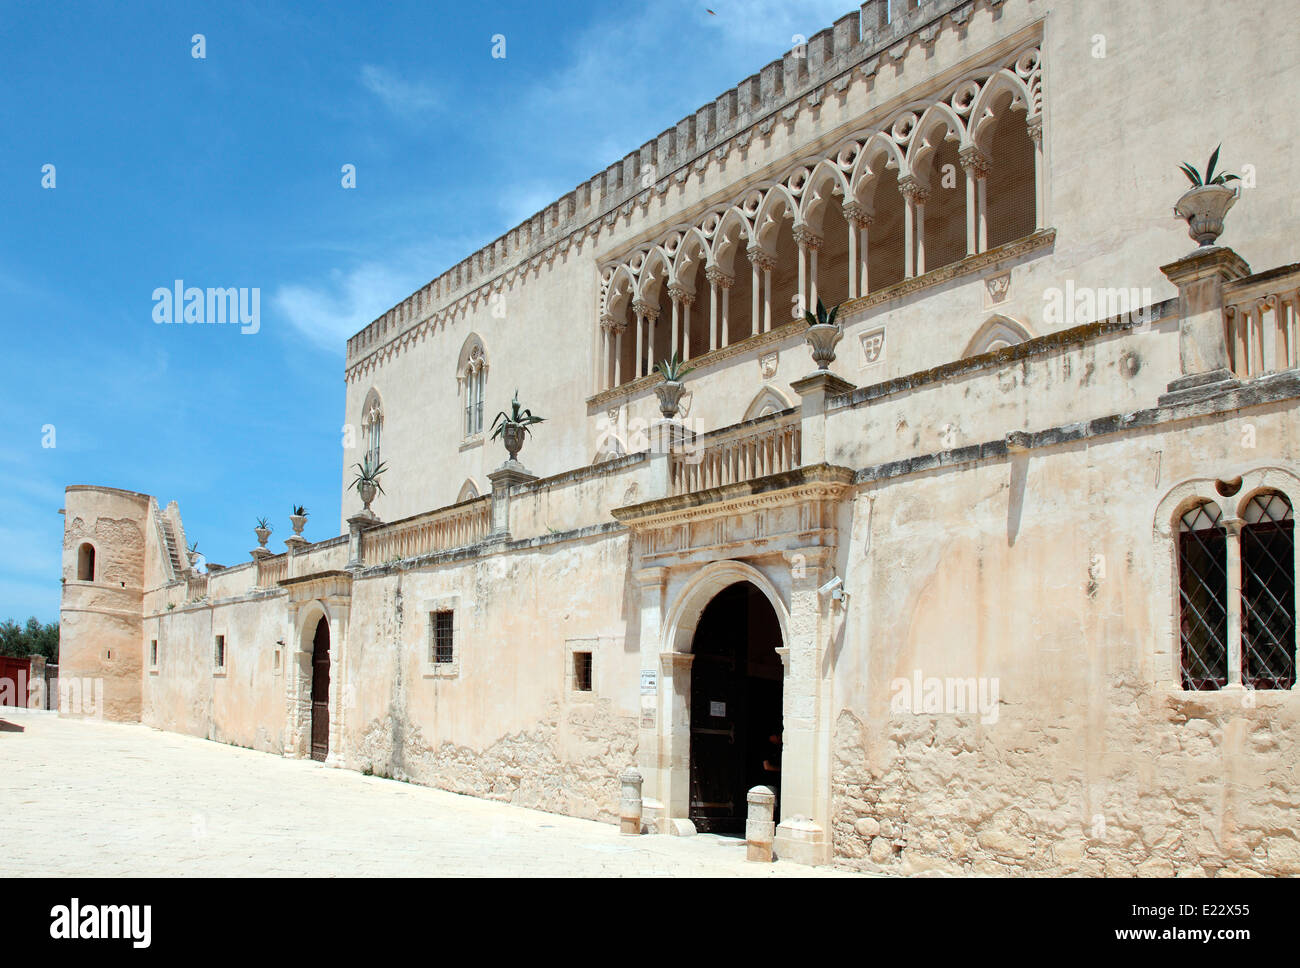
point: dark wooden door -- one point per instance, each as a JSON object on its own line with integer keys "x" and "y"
{"x": 736, "y": 680}
{"x": 717, "y": 738}
{"x": 320, "y": 692}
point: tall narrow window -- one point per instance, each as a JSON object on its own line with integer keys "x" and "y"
{"x": 372, "y": 426}
{"x": 1268, "y": 641}
{"x": 473, "y": 376}
{"x": 86, "y": 562}
{"x": 1203, "y": 597}
{"x": 441, "y": 645}
{"x": 219, "y": 653}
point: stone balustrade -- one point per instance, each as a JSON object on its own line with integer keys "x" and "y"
{"x": 1259, "y": 320}
{"x": 461, "y": 524}
{"x": 272, "y": 570}
{"x": 743, "y": 452}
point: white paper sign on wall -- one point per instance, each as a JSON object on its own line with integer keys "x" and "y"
{"x": 649, "y": 682}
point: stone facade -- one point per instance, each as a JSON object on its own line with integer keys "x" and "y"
{"x": 1037, "y": 379}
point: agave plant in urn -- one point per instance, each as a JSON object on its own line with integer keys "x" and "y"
{"x": 1206, "y": 203}
{"x": 670, "y": 391}
{"x": 511, "y": 427}
{"x": 823, "y": 334}
{"x": 367, "y": 483}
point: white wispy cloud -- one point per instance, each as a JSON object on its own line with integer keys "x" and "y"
{"x": 330, "y": 311}
{"x": 399, "y": 95}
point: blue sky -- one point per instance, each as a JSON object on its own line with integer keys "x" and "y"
{"x": 225, "y": 171}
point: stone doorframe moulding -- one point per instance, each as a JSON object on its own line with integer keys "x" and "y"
{"x": 1167, "y": 647}
{"x": 326, "y": 595}
{"x": 665, "y": 740}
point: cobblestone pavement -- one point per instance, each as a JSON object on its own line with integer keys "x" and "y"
{"x": 105, "y": 799}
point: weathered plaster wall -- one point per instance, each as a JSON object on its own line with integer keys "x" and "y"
{"x": 505, "y": 724}
{"x": 100, "y": 619}
{"x": 1098, "y": 762}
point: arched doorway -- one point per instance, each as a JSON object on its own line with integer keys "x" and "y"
{"x": 735, "y": 707}
{"x": 320, "y": 691}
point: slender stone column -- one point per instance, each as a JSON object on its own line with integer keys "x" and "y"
{"x": 619, "y": 326}
{"x": 1035, "y": 126}
{"x": 910, "y": 191}
{"x": 976, "y": 165}
{"x": 640, "y": 327}
{"x": 762, "y": 260}
{"x": 650, "y": 313}
{"x": 682, "y": 299}
{"x": 1233, "y": 528}
{"x": 858, "y": 218}
{"x": 717, "y": 280}
{"x": 674, "y": 294}
{"x": 810, "y": 244}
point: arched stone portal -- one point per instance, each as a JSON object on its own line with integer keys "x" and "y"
{"x": 735, "y": 707}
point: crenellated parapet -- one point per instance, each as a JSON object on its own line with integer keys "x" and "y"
{"x": 857, "y": 47}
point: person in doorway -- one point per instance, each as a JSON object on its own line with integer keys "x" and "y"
{"x": 772, "y": 763}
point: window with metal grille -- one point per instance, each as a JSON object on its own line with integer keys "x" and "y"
{"x": 441, "y": 629}
{"x": 219, "y": 653}
{"x": 582, "y": 671}
{"x": 1268, "y": 641}
{"x": 1203, "y": 598}
{"x": 153, "y": 652}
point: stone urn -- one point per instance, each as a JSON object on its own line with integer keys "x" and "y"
{"x": 513, "y": 435}
{"x": 262, "y": 535}
{"x": 299, "y": 521}
{"x": 367, "y": 490}
{"x": 669, "y": 393}
{"x": 823, "y": 337}
{"x": 193, "y": 556}
{"x": 1204, "y": 208}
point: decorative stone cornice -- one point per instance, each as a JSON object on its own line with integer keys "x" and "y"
{"x": 795, "y": 487}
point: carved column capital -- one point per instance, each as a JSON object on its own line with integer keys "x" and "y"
{"x": 760, "y": 257}
{"x": 718, "y": 278}
{"x": 974, "y": 161}
{"x": 645, "y": 309}
{"x": 806, "y": 238}
{"x": 1035, "y": 126}
{"x": 857, "y": 215}
{"x": 681, "y": 294}
{"x": 913, "y": 190}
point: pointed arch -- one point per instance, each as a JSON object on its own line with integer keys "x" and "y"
{"x": 468, "y": 491}
{"x": 732, "y": 235}
{"x": 819, "y": 191}
{"x": 878, "y": 154}
{"x": 767, "y": 400}
{"x": 778, "y": 205}
{"x": 983, "y": 117}
{"x": 997, "y": 332}
{"x": 923, "y": 147}
{"x": 471, "y": 379}
{"x": 372, "y": 425}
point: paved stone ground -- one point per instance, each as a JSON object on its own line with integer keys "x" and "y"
{"x": 105, "y": 799}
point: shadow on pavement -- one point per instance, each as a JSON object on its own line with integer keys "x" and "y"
{"x": 8, "y": 727}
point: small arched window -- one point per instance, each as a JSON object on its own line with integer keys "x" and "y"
{"x": 372, "y": 426}
{"x": 86, "y": 562}
{"x": 1268, "y": 641}
{"x": 468, "y": 492}
{"x": 1203, "y": 598}
{"x": 472, "y": 376}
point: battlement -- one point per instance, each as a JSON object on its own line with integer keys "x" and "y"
{"x": 871, "y": 33}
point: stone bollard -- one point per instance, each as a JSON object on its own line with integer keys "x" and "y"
{"x": 629, "y": 805}
{"x": 760, "y": 829}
